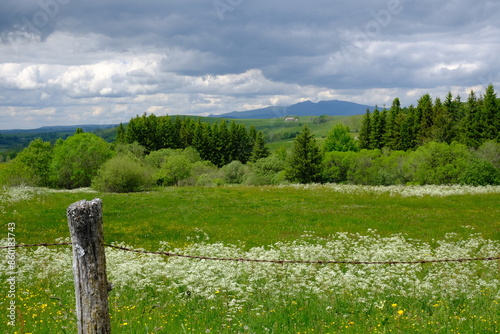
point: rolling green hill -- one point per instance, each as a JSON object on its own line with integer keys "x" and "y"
{"x": 278, "y": 132}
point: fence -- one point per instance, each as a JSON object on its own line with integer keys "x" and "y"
{"x": 89, "y": 264}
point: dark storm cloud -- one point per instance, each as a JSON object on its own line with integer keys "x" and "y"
{"x": 212, "y": 56}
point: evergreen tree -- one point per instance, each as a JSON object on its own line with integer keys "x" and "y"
{"x": 376, "y": 135}
{"x": 120, "y": 134}
{"x": 382, "y": 128}
{"x": 365, "y": 131}
{"x": 454, "y": 111}
{"x": 222, "y": 144}
{"x": 409, "y": 129}
{"x": 471, "y": 127}
{"x": 305, "y": 163}
{"x": 260, "y": 149}
{"x": 150, "y": 133}
{"x": 244, "y": 147}
{"x": 490, "y": 115}
{"x": 176, "y": 134}
{"x": 186, "y": 132}
{"x": 442, "y": 125}
{"x": 425, "y": 112}
{"x": 393, "y": 126}
{"x": 252, "y": 135}
{"x": 231, "y": 149}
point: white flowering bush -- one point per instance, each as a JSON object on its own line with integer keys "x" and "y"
{"x": 207, "y": 278}
{"x": 401, "y": 190}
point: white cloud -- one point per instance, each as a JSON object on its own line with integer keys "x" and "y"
{"x": 106, "y": 62}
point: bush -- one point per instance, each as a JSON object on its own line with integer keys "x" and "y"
{"x": 32, "y": 166}
{"x": 156, "y": 159}
{"x": 202, "y": 174}
{"x": 480, "y": 173}
{"x": 233, "y": 172}
{"x": 336, "y": 166}
{"x": 438, "y": 163}
{"x": 175, "y": 169}
{"x": 133, "y": 149}
{"x": 489, "y": 151}
{"x": 123, "y": 174}
{"x": 265, "y": 170}
{"x": 362, "y": 167}
{"x": 77, "y": 160}
{"x": 389, "y": 169}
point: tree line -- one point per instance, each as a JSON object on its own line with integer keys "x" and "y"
{"x": 220, "y": 143}
{"x": 470, "y": 123}
{"x": 433, "y": 143}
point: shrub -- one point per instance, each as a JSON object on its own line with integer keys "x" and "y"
{"x": 362, "y": 167}
{"x": 233, "y": 172}
{"x": 388, "y": 169}
{"x": 480, "y": 173}
{"x": 198, "y": 169}
{"x": 156, "y": 159}
{"x": 265, "y": 170}
{"x": 175, "y": 169}
{"x": 135, "y": 149}
{"x": 438, "y": 163}
{"x": 336, "y": 166}
{"x": 123, "y": 174}
{"x": 31, "y": 166}
{"x": 489, "y": 151}
{"x": 77, "y": 160}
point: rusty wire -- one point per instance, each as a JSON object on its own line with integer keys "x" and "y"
{"x": 263, "y": 260}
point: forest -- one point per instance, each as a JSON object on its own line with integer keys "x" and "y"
{"x": 450, "y": 142}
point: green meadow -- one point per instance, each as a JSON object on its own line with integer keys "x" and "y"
{"x": 156, "y": 294}
{"x": 259, "y": 216}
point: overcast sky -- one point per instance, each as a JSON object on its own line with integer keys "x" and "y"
{"x": 70, "y": 62}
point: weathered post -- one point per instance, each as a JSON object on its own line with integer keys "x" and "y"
{"x": 89, "y": 267}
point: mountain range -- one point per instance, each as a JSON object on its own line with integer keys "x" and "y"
{"x": 306, "y": 108}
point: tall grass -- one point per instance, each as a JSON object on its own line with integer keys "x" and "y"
{"x": 155, "y": 294}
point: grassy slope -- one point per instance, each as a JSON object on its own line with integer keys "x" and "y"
{"x": 268, "y": 125}
{"x": 257, "y": 215}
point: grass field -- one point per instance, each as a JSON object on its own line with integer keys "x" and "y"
{"x": 319, "y": 222}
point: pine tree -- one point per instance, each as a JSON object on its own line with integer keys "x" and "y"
{"x": 382, "y": 128}
{"x": 223, "y": 140}
{"x": 166, "y": 132}
{"x": 425, "y": 112}
{"x": 260, "y": 149}
{"x": 408, "y": 129}
{"x": 305, "y": 163}
{"x": 365, "y": 131}
{"x": 186, "y": 132}
{"x": 393, "y": 126}
{"x": 490, "y": 114}
{"x": 120, "y": 133}
{"x": 453, "y": 110}
{"x": 471, "y": 127}
{"x": 442, "y": 126}
{"x": 376, "y": 130}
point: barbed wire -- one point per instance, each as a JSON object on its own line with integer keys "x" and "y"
{"x": 264, "y": 260}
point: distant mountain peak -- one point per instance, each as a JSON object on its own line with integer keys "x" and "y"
{"x": 304, "y": 108}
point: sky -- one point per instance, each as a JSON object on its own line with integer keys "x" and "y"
{"x": 73, "y": 62}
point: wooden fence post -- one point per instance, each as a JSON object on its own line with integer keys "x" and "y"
{"x": 89, "y": 267}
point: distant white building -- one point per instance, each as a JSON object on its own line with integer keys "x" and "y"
{"x": 291, "y": 119}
